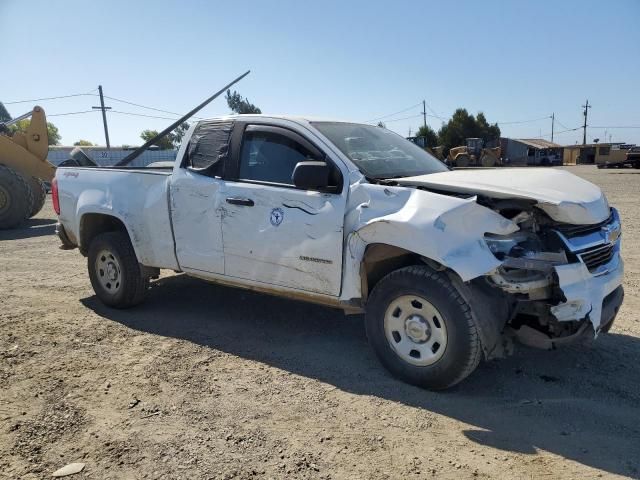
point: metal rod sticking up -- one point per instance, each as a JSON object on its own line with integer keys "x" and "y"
{"x": 138, "y": 151}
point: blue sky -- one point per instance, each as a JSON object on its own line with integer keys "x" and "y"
{"x": 515, "y": 61}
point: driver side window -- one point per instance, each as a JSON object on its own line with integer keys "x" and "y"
{"x": 270, "y": 157}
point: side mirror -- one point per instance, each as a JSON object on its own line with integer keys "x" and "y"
{"x": 311, "y": 175}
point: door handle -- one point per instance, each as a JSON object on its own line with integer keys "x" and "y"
{"x": 245, "y": 202}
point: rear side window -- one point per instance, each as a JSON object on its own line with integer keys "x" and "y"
{"x": 209, "y": 147}
{"x": 270, "y": 157}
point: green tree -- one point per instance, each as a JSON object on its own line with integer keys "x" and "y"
{"x": 486, "y": 131}
{"x": 52, "y": 130}
{"x": 240, "y": 105}
{"x": 163, "y": 143}
{"x": 178, "y": 133}
{"x": 430, "y": 136}
{"x": 4, "y": 113}
{"x": 83, "y": 143}
{"x": 462, "y": 125}
{"x": 168, "y": 142}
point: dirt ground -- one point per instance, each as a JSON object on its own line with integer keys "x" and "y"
{"x": 204, "y": 381}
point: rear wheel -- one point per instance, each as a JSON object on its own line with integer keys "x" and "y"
{"x": 421, "y": 328}
{"x": 116, "y": 275}
{"x": 16, "y": 198}
{"x": 39, "y": 195}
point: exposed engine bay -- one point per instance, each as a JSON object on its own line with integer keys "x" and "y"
{"x": 536, "y": 260}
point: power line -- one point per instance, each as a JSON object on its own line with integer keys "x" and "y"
{"x": 525, "y": 121}
{"x": 141, "y": 115}
{"x": 435, "y": 114}
{"x": 392, "y": 114}
{"x": 557, "y": 133}
{"x": 626, "y": 126}
{"x": 404, "y": 118}
{"x": 51, "y": 98}
{"x": 91, "y": 94}
{"x": 69, "y": 113}
{"x": 142, "y": 106}
{"x": 149, "y": 108}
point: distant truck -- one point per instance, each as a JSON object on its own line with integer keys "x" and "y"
{"x": 632, "y": 159}
{"x": 447, "y": 266}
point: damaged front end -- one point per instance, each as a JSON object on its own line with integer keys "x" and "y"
{"x": 564, "y": 282}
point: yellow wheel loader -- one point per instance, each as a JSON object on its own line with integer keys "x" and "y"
{"x": 474, "y": 155}
{"x": 23, "y": 169}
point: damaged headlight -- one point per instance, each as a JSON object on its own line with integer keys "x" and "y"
{"x": 518, "y": 244}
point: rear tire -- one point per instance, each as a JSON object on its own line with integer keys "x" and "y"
{"x": 39, "y": 195}
{"x": 16, "y": 198}
{"x": 116, "y": 275}
{"x": 410, "y": 311}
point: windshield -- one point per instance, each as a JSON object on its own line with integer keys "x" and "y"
{"x": 379, "y": 153}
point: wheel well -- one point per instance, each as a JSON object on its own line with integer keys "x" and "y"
{"x": 93, "y": 224}
{"x": 381, "y": 259}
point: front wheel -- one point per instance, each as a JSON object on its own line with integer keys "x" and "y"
{"x": 421, "y": 328}
{"x": 114, "y": 271}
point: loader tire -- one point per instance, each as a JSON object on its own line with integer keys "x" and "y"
{"x": 114, "y": 271}
{"x": 39, "y": 195}
{"x": 422, "y": 329}
{"x": 462, "y": 160}
{"x": 16, "y": 198}
{"x": 488, "y": 161}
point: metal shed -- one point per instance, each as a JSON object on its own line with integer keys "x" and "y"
{"x": 530, "y": 151}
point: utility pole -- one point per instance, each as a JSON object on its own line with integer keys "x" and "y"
{"x": 104, "y": 116}
{"x": 424, "y": 115}
{"x": 553, "y": 117}
{"x": 586, "y": 107}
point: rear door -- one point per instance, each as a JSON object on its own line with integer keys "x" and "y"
{"x": 195, "y": 194}
{"x": 273, "y": 232}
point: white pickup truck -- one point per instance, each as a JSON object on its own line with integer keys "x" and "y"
{"x": 448, "y": 266}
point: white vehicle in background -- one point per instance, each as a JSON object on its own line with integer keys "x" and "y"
{"x": 448, "y": 266}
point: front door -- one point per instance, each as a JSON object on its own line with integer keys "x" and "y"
{"x": 273, "y": 232}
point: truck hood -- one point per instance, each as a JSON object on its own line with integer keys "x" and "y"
{"x": 565, "y": 197}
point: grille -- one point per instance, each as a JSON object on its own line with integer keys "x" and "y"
{"x": 575, "y": 230}
{"x": 598, "y": 256}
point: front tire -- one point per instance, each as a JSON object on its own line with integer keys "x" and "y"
{"x": 114, "y": 271}
{"x": 421, "y": 328}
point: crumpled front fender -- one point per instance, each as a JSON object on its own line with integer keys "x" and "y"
{"x": 443, "y": 228}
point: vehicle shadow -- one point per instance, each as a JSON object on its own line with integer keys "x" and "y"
{"x": 579, "y": 403}
{"x": 34, "y": 227}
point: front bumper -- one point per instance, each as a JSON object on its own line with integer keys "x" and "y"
{"x": 585, "y": 293}
{"x": 588, "y": 290}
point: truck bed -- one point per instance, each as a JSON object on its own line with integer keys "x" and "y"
{"x": 138, "y": 197}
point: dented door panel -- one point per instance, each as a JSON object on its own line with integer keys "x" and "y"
{"x": 288, "y": 237}
{"x": 196, "y": 216}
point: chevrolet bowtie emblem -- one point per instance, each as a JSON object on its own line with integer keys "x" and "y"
{"x": 610, "y": 233}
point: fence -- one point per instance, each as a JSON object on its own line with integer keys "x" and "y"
{"x": 104, "y": 157}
